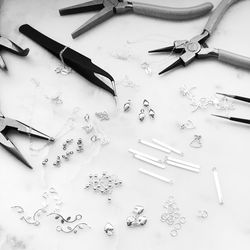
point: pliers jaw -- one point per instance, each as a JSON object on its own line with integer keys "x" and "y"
{"x": 189, "y": 50}
{"x": 12, "y": 47}
{"x": 6, "y": 124}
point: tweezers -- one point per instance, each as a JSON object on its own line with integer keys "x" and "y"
{"x": 78, "y": 62}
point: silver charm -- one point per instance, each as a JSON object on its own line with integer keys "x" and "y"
{"x": 142, "y": 115}
{"x": 127, "y": 106}
{"x": 146, "y": 103}
{"x": 137, "y": 219}
{"x": 151, "y": 113}
{"x": 196, "y": 142}
{"x": 31, "y": 220}
{"x": 109, "y": 229}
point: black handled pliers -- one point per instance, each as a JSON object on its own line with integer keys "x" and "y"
{"x": 7, "y": 44}
{"x": 108, "y": 8}
{"x": 197, "y": 48}
{"x": 7, "y": 124}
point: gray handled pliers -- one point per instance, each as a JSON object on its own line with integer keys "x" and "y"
{"x": 197, "y": 48}
{"x": 110, "y": 7}
{"x": 7, "y": 44}
{"x": 7, "y": 124}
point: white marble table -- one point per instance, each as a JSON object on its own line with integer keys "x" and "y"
{"x": 28, "y": 92}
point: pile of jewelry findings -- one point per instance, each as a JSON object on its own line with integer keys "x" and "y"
{"x": 162, "y": 163}
{"x": 103, "y": 184}
{"x": 172, "y": 216}
{"x": 137, "y": 219}
{"x": 220, "y": 103}
{"x": 66, "y": 155}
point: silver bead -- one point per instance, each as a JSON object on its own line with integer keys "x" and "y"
{"x": 141, "y": 115}
{"x": 126, "y": 106}
{"x": 109, "y": 229}
{"x": 130, "y": 221}
{"x": 138, "y": 209}
{"x": 142, "y": 220}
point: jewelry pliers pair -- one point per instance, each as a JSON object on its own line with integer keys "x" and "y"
{"x": 196, "y": 48}
{"x": 109, "y": 8}
{"x": 8, "y": 124}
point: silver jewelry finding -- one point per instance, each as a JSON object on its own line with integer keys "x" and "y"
{"x": 109, "y": 229}
{"x": 202, "y": 214}
{"x": 103, "y": 116}
{"x": 186, "y": 125}
{"x": 127, "y": 106}
{"x": 151, "y": 113}
{"x": 137, "y": 219}
{"x": 196, "y": 142}
{"x": 63, "y": 69}
{"x": 172, "y": 216}
{"x": 146, "y": 103}
{"x": 31, "y": 220}
{"x": 103, "y": 184}
{"x": 142, "y": 115}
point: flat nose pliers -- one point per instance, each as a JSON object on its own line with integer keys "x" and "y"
{"x": 108, "y": 8}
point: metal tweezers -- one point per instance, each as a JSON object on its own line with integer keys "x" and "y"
{"x": 7, "y": 124}
{"x": 7, "y": 44}
{"x": 109, "y": 8}
{"x": 235, "y": 119}
{"x": 197, "y": 47}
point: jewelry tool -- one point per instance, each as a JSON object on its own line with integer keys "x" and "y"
{"x": 196, "y": 48}
{"x": 80, "y": 63}
{"x": 235, "y": 119}
{"x": 109, "y": 8}
{"x": 7, "y": 44}
{"x": 7, "y": 124}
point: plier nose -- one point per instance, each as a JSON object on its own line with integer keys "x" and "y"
{"x": 12, "y": 47}
{"x": 7, "y": 124}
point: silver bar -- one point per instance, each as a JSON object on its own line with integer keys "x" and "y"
{"x": 156, "y": 164}
{"x": 152, "y": 145}
{"x": 218, "y": 186}
{"x": 135, "y": 152}
{"x": 156, "y": 176}
{"x": 183, "y": 166}
{"x": 168, "y": 147}
{"x": 184, "y": 162}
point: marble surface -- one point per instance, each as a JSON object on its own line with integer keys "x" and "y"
{"x": 33, "y": 93}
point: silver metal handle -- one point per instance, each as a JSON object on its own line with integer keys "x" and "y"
{"x": 171, "y": 13}
{"x": 218, "y": 13}
{"x": 234, "y": 59}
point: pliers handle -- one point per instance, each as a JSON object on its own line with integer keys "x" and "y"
{"x": 164, "y": 12}
{"x": 226, "y": 57}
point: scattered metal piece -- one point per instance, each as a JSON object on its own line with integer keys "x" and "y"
{"x": 109, "y": 229}
{"x": 196, "y": 142}
{"x": 218, "y": 186}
